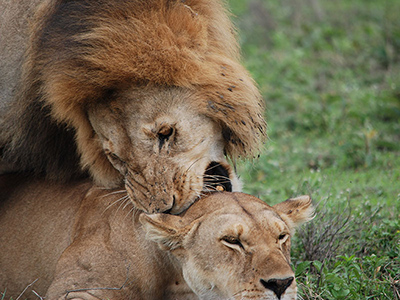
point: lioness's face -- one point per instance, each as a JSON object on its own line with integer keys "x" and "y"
{"x": 233, "y": 246}
{"x": 167, "y": 153}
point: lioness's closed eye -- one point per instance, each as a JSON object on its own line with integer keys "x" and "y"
{"x": 225, "y": 246}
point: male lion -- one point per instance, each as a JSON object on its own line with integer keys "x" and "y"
{"x": 147, "y": 94}
{"x": 225, "y": 246}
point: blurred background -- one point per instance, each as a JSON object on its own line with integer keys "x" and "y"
{"x": 329, "y": 71}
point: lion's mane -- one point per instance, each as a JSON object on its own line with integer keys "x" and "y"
{"x": 79, "y": 52}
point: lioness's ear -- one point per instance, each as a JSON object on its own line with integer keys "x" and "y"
{"x": 298, "y": 210}
{"x": 162, "y": 229}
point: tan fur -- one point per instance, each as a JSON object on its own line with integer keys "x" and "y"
{"x": 85, "y": 54}
{"x": 94, "y": 246}
{"x": 167, "y": 173}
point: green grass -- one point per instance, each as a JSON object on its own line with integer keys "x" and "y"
{"x": 330, "y": 74}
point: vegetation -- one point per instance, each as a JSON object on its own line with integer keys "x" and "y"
{"x": 330, "y": 74}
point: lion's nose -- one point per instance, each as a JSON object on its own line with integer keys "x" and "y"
{"x": 278, "y": 286}
{"x": 164, "y": 205}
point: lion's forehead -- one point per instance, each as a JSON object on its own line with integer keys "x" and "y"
{"x": 125, "y": 120}
{"x": 158, "y": 110}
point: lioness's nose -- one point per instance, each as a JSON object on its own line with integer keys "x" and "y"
{"x": 278, "y": 286}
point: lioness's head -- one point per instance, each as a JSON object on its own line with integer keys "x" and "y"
{"x": 233, "y": 245}
{"x": 166, "y": 152}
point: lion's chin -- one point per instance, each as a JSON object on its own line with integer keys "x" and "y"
{"x": 155, "y": 205}
{"x": 176, "y": 196}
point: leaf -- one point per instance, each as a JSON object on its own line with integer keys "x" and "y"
{"x": 301, "y": 267}
{"x": 317, "y": 264}
{"x": 340, "y": 293}
{"x": 334, "y": 279}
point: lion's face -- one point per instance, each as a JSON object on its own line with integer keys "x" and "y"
{"x": 166, "y": 152}
{"x": 238, "y": 250}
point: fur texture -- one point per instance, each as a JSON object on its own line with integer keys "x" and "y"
{"x": 90, "y": 242}
{"x": 81, "y": 53}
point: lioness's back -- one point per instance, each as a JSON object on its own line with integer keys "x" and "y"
{"x": 33, "y": 219}
{"x": 80, "y": 242}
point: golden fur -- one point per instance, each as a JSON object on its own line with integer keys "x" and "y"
{"x": 82, "y": 54}
{"x": 94, "y": 246}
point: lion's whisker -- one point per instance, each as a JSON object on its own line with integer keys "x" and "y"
{"x": 215, "y": 175}
{"x": 126, "y": 204}
{"x": 217, "y": 179}
{"x": 192, "y": 164}
{"x": 213, "y": 167}
{"x": 113, "y": 193}
{"x": 132, "y": 211}
{"x": 123, "y": 199}
{"x": 210, "y": 187}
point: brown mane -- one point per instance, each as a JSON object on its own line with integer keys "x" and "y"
{"x": 80, "y": 52}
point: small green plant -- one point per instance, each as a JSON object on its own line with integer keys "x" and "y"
{"x": 329, "y": 73}
{"x": 348, "y": 278}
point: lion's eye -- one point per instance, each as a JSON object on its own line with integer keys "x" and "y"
{"x": 165, "y": 132}
{"x": 283, "y": 237}
{"x": 114, "y": 157}
{"x": 231, "y": 241}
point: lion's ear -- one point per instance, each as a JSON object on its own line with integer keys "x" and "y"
{"x": 297, "y": 210}
{"x": 163, "y": 229}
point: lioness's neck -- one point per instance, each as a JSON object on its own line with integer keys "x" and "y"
{"x": 177, "y": 289}
{"x": 155, "y": 268}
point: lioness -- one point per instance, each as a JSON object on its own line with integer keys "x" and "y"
{"x": 149, "y": 95}
{"x": 81, "y": 242}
